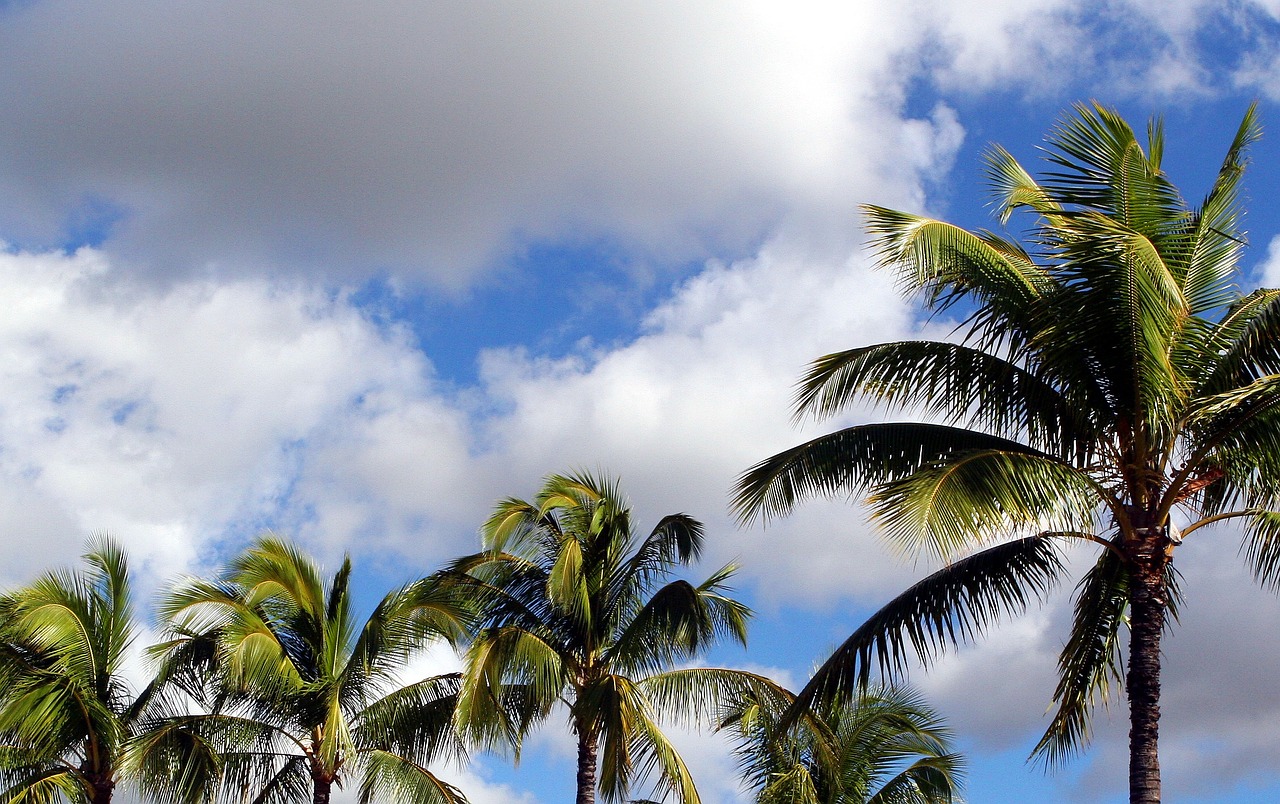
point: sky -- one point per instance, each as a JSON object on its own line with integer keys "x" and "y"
{"x": 354, "y": 272}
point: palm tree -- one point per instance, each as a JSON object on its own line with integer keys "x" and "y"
{"x": 66, "y": 708}
{"x": 576, "y": 608}
{"x": 301, "y": 696}
{"x": 1112, "y": 387}
{"x": 884, "y": 746}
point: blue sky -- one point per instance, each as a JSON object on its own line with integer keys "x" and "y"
{"x": 355, "y": 273}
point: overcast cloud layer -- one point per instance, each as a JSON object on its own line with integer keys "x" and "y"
{"x": 204, "y": 372}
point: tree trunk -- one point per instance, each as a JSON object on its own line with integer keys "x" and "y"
{"x": 587, "y": 747}
{"x": 102, "y": 790}
{"x": 320, "y": 788}
{"x": 1148, "y": 601}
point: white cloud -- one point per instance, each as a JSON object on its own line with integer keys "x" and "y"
{"x": 1267, "y": 273}
{"x": 173, "y": 419}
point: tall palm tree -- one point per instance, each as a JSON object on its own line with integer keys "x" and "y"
{"x": 302, "y": 696}
{"x": 883, "y": 746}
{"x": 1112, "y": 387}
{"x": 576, "y": 608}
{"x": 66, "y": 708}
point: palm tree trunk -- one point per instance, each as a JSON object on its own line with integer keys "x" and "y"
{"x": 102, "y": 790}
{"x": 320, "y": 789}
{"x": 587, "y": 748}
{"x": 1148, "y": 601}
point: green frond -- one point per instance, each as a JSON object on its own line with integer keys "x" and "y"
{"x": 678, "y": 622}
{"x": 1261, "y": 548}
{"x": 1013, "y": 187}
{"x": 945, "y": 609}
{"x": 1217, "y": 414}
{"x": 1246, "y": 343}
{"x": 958, "y": 383}
{"x": 1216, "y": 239}
{"x": 499, "y": 658}
{"x": 697, "y": 695}
{"x": 851, "y": 461}
{"x": 950, "y": 265}
{"x": 567, "y": 588}
{"x": 47, "y": 786}
{"x": 972, "y": 498}
{"x": 388, "y": 777}
{"x": 415, "y": 722}
{"x": 1090, "y": 661}
{"x": 676, "y": 539}
{"x": 657, "y": 761}
{"x": 793, "y": 785}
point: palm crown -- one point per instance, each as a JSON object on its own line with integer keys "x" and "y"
{"x": 884, "y": 746}
{"x": 66, "y": 710}
{"x": 300, "y": 694}
{"x": 1113, "y": 385}
{"x": 576, "y": 608}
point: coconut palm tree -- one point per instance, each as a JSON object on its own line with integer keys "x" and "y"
{"x": 66, "y": 708}
{"x": 300, "y": 695}
{"x": 1112, "y": 387}
{"x": 884, "y": 746}
{"x": 576, "y": 609}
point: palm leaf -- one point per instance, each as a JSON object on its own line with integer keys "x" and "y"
{"x": 1090, "y": 661}
{"x": 850, "y": 461}
{"x": 945, "y": 609}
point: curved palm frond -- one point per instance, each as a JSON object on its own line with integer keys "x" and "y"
{"x": 1090, "y": 661}
{"x": 391, "y": 777}
{"x": 972, "y": 497}
{"x": 679, "y": 621}
{"x": 414, "y": 722}
{"x": 853, "y": 460}
{"x": 960, "y": 383}
{"x": 945, "y": 609}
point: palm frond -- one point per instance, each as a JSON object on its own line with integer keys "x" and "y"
{"x": 1261, "y": 548}
{"x": 945, "y": 609}
{"x": 959, "y": 383}
{"x": 850, "y": 461}
{"x": 678, "y": 622}
{"x": 415, "y": 722}
{"x": 970, "y": 498}
{"x": 1090, "y": 661}
{"x": 390, "y": 777}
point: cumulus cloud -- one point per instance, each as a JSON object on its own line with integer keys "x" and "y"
{"x": 176, "y": 419}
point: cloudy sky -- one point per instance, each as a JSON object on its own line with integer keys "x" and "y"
{"x": 355, "y": 271}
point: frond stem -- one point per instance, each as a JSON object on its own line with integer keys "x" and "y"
{"x": 1209, "y": 520}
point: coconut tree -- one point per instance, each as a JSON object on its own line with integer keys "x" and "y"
{"x": 575, "y": 608}
{"x": 1111, "y": 386}
{"x": 67, "y": 709}
{"x": 301, "y": 696}
{"x": 883, "y": 746}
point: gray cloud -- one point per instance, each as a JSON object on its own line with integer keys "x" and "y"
{"x": 431, "y": 139}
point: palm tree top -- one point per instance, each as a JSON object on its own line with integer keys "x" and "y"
{"x": 1112, "y": 385}
{"x": 576, "y": 608}
{"x": 300, "y": 692}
